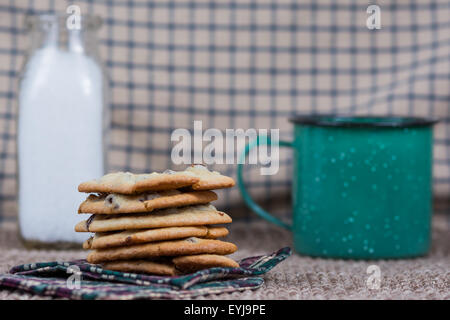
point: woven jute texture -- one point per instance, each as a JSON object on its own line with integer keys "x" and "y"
{"x": 298, "y": 277}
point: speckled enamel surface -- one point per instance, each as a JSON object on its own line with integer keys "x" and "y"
{"x": 362, "y": 192}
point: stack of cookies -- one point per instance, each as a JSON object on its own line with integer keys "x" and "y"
{"x": 158, "y": 223}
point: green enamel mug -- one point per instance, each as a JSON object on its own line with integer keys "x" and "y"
{"x": 362, "y": 186}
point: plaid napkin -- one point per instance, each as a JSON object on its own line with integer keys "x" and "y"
{"x": 59, "y": 279}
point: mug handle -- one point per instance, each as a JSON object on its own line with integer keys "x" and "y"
{"x": 247, "y": 198}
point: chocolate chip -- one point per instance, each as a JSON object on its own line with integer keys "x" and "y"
{"x": 110, "y": 201}
{"x": 89, "y": 221}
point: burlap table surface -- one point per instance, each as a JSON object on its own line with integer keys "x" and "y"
{"x": 298, "y": 277}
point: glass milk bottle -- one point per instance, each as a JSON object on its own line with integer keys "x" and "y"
{"x": 61, "y": 124}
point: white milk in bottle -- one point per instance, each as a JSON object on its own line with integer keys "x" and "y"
{"x": 60, "y": 128}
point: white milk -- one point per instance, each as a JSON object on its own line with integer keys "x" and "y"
{"x": 59, "y": 141}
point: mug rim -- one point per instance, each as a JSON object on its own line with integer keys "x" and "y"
{"x": 361, "y": 121}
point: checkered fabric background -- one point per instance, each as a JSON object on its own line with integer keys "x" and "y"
{"x": 245, "y": 64}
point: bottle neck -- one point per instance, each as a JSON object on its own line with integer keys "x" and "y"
{"x": 50, "y": 31}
